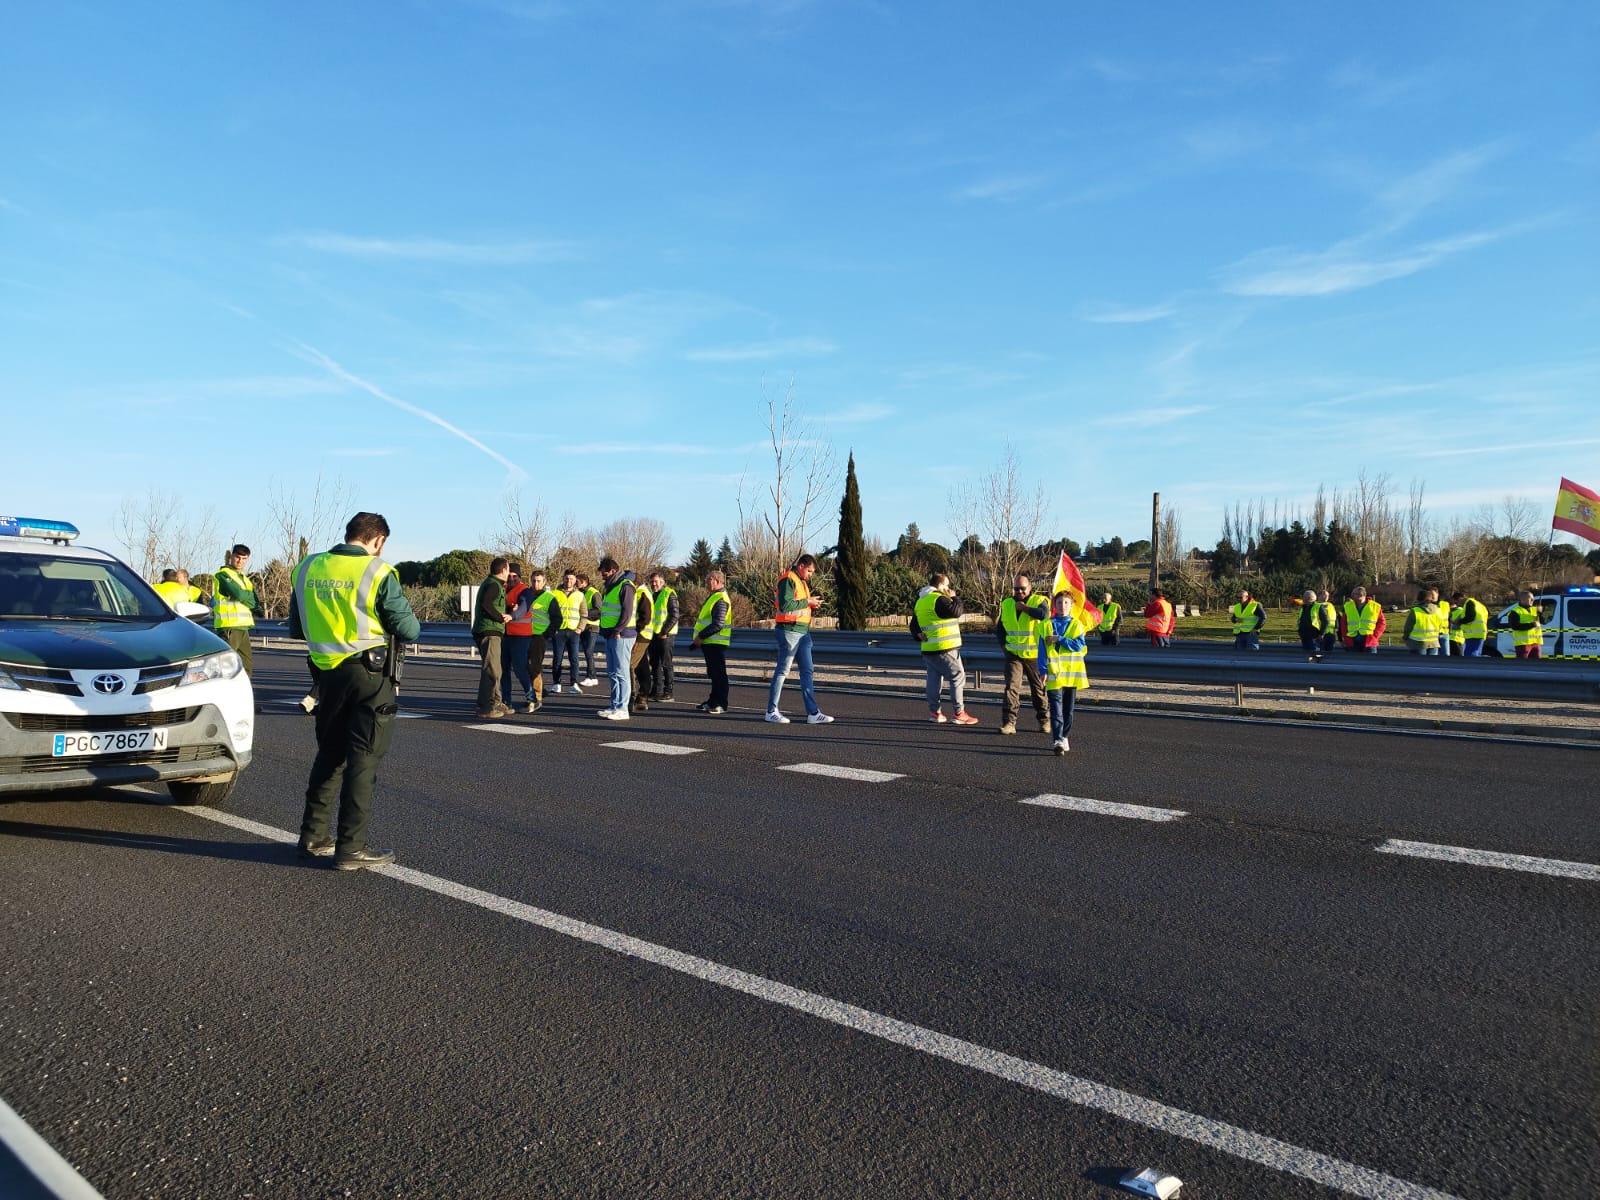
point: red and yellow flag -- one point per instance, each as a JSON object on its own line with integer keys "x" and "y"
{"x": 1577, "y": 511}
{"x": 1070, "y": 580}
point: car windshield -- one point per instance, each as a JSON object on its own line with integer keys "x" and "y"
{"x": 47, "y": 587}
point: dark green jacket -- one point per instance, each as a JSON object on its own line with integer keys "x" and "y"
{"x": 232, "y": 591}
{"x": 491, "y": 603}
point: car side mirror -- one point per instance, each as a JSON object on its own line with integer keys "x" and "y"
{"x": 188, "y": 608}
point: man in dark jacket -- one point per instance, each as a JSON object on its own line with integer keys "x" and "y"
{"x": 489, "y": 617}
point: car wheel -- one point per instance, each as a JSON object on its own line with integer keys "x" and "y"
{"x": 202, "y": 795}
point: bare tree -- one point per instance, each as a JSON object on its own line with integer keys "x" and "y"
{"x": 301, "y": 524}
{"x": 638, "y": 543}
{"x": 1008, "y": 521}
{"x": 791, "y": 505}
{"x": 526, "y": 535}
{"x": 1416, "y": 527}
{"x": 1173, "y": 551}
{"x": 156, "y": 534}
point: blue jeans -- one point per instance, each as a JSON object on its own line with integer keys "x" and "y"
{"x": 514, "y": 654}
{"x": 1247, "y": 641}
{"x": 794, "y": 645}
{"x": 564, "y": 642}
{"x": 1062, "y": 702}
{"x": 619, "y": 652}
{"x": 1472, "y": 648}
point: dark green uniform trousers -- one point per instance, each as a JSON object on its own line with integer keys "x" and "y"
{"x": 238, "y": 639}
{"x": 355, "y": 715}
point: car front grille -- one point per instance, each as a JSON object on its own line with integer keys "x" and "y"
{"x": 57, "y": 680}
{"x": 72, "y": 723}
{"x": 153, "y": 679}
{"x": 44, "y": 764}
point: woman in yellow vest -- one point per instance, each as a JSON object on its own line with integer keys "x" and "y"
{"x": 1062, "y": 641}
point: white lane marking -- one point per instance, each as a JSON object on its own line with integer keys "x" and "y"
{"x": 518, "y": 730}
{"x": 405, "y": 716}
{"x": 1215, "y": 1135}
{"x": 40, "y": 1157}
{"x": 1106, "y": 808}
{"x": 857, "y": 773}
{"x": 652, "y": 747}
{"x": 1493, "y": 858}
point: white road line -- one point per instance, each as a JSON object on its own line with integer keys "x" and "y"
{"x": 1215, "y": 1135}
{"x": 39, "y": 1156}
{"x": 1106, "y": 808}
{"x": 857, "y": 773}
{"x": 517, "y": 730}
{"x": 1493, "y": 858}
{"x": 652, "y": 747}
{"x": 405, "y": 716}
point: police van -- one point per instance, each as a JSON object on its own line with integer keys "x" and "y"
{"x": 1571, "y": 625}
{"x": 102, "y": 683}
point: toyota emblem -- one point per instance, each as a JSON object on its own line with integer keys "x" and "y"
{"x": 108, "y": 684}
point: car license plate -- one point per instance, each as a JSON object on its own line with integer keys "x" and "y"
{"x": 126, "y": 741}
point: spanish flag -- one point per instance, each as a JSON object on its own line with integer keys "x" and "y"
{"x": 1577, "y": 511}
{"x": 1070, "y": 580}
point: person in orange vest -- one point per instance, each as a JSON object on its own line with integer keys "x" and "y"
{"x": 1159, "y": 619}
{"x": 792, "y": 622}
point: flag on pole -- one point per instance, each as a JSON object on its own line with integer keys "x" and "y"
{"x": 1070, "y": 580}
{"x": 1577, "y": 511}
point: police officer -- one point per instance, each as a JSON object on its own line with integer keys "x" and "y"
{"x": 347, "y": 605}
{"x": 233, "y": 610}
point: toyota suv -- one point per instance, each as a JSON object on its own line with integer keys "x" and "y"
{"x": 101, "y": 683}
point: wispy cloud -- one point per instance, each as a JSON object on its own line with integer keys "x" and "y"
{"x": 426, "y": 249}
{"x": 1345, "y": 267}
{"x": 9, "y": 205}
{"x": 1406, "y": 198}
{"x": 758, "y": 351}
{"x": 1149, "y": 418}
{"x": 1371, "y": 88}
{"x": 859, "y": 414}
{"x": 682, "y": 448}
{"x": 1131, "y": 316}
{"x": 1002, "y": 187}
{"x": 1497, "y": 448}
{"x": 1225, "y": 140}
{"x": 312, "y": 354}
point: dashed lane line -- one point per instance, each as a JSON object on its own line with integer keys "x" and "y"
{"x": 514, "y": 730}
{"x": 1086, "y": 1093}
{"x": 860, "y": 774}
{"x": 1493, "y": 858}
{"x": 1106, "y": 808}
{"x": 652, "y": 747}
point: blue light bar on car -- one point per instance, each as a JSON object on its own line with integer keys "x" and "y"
{"x": 33, "y": 527}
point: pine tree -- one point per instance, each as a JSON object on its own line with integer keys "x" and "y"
{"x": 725, "y": 555}
{"x": 850, "y": 565}
{"x": 700, "y": 563}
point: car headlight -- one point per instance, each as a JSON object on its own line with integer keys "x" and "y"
{"x": 213, "y": 666}
{"x": 8, "y": 684}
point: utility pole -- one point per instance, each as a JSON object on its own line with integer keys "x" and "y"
{"x": 1155, "y": 539}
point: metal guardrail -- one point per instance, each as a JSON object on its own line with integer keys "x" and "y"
{"x": 1197, "y": 664}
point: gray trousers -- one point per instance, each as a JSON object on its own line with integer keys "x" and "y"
{"x": 1018, "y": 669}
{"x": 946, "y": 665}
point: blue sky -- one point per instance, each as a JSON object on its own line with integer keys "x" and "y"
{"x": 1223, "y": 251}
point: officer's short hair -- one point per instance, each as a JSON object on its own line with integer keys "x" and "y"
{"x": 241, "y": 548}
{"x": 608, "y": 563}
{"x": 805, "y": 560}
{"x": 365, "y": 526}
{"x": 170, "y": 575}
{"x": 497, "y": 565}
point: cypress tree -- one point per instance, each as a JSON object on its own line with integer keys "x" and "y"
{"x": 850, "y": 565}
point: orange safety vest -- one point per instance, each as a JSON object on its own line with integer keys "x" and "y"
{"x": 801, "y": 592}
{"x": 1161, "y": 623}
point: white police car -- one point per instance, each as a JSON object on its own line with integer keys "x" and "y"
{"x": 102, "y": 683}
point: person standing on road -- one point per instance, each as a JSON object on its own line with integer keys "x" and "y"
{"x": 1110, "y": 626}
{"x": 564, "y": 638}
{"x": 589, "y": 632}
{"x": 348, "y": 604}
{"x": 713, "y": 631}
{"x": 1159, "y": 620}
{"x": 1020, "y": 614}
{"x": 644, "y": 621}
{"x": 514, "y": 649}
{"x": 1361, "y": 622}
{"x": 544, "y": 610}
{"x": 1248, "y": 619}
{"x": 1423, "y": 625}
{"x": 936, "y": 623}
{"x": 665, "y": 630}
{"x": 1527, "y": 634}
{"x": 489, "y": 620}
{"x": 233, "y": 612}
{"x": 1062, "y": 641}
{"x": 619, "y": 633}
{"x": 1469, "y": 624}
{"x": 792, "y": 622}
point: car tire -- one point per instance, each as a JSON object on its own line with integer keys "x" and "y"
{"x": 202, "y": 795}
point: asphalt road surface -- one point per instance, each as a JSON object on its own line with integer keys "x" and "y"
{"x": 609, "y": 970}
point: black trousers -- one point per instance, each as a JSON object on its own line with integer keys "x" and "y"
{"x": 661, "y": 665}
{"x": 355, "y": 717}
{"x": 717, "y": 669}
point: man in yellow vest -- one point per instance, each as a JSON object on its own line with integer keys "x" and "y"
{"x": 233, "y": 612}
{"x": 1361, "y": 622}
{"x": 1469, "y": 625}
{"x": 170, "y": 590}
{"x": 1020, "y": 613}
{"x": 1062, "y": 641}
{"x": 644, "y": 623}
{"x": 1110, "y": 626}
{"x": 1527, "y": 633}
{"x": 792, "y": 629}
{"x": 1327, "y": 620}
{"x": 1424, "y": 624}
{"x": 713, "y": 632}
{"x": 666, "y": 629}
{"x": 564, "y": 638}
{"x": 1248, "y": 618}
{"x": 349, "y": 607}
{"x": 618, "y": 617}
{"x": 936, "y": 623}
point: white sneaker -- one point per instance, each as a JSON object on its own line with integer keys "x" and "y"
{"x": 819, "y": 718}
{"x": 587, "y": 682}
{"x": 604, "y": 713}
{"x": 1065, "y": 745}
{"x": 774, "y": 717}
{"x": 617, "y": 714}
{"x": 555, "y": 689}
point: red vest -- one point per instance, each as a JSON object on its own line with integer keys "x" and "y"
{"x": 517, "y": 628}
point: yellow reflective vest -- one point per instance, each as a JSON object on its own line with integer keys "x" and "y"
{"x": 1527, "y": 637}
{"x": 938, "y": 633}
{"x": 1245, "y": 617}
{"x": 230, "y": 614}
{"x": 1019, "y": 625}
{"x": 661, "y": 610}
{"x": 1426, "y": 626}
{"x": 724, "y": 635}
{"x": 1063, "y": 668}
{"x": 1470, "y": 621}
{"x": 337, "y": 597}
